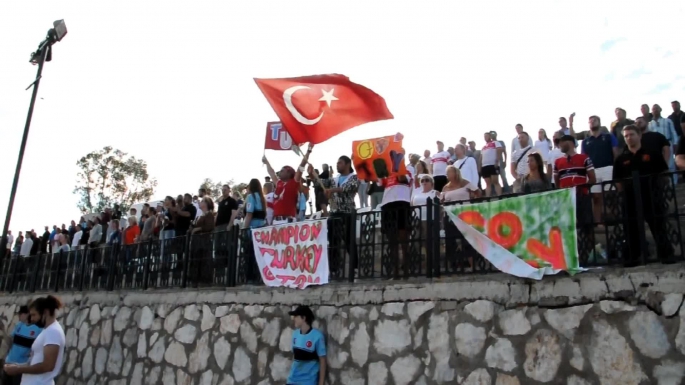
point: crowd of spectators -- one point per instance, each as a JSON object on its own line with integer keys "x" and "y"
{"x": 452, "y": 174}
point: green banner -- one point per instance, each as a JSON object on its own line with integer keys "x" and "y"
{"x": 527, "y": 236}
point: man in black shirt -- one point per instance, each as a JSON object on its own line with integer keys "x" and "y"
{"x": 677, "y": 117}
{"x": 186, "y": 214}
{"x": 680, "y": 152}
{"x": 320, "y": 198}
{"x": 227, "y": 211}
{"x": 44, "y": 241}
{"x": 646, "y": 163}
{"x": 36, "y": 243}
{"x": 653, "y": 141}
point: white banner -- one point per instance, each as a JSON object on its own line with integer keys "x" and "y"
{"x": 293, "y": 255}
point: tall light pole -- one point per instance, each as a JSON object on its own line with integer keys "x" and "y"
{"x": 43, "y": 54}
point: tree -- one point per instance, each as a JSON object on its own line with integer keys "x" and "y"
{"x": 239, "y": 188}
{"x": 109, "y": 176}
{"x": 214, "y": 188}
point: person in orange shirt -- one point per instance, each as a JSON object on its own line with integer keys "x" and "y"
{"x": 132, "y": 231}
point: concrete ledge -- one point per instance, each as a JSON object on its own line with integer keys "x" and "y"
{"x": 644, "y": 284}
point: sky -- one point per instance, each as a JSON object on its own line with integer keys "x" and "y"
{"x": 171, "y": 82}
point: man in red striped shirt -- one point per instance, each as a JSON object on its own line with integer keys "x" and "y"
{"x": 572, "y": 169}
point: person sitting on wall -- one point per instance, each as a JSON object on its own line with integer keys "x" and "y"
{"x": 309, "y": 350}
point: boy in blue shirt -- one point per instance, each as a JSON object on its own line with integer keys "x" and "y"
{"x": 22, "y": 339}
{"x": 309, "y": 350}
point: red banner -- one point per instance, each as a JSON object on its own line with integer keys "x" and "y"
{"x": 277, "y": 138}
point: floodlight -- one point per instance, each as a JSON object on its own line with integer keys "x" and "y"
{"x": 60, "y": 29}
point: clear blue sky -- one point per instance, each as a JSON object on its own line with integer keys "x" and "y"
{"x": 171, "y": 81}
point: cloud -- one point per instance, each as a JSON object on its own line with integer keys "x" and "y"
{"x": 609, "y": 44}
{"x": 660, "y": 87}
{"x": 637, "y": 73}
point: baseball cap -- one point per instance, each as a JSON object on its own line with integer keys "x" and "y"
{"x": 302, "y": 311}
{"x": 493, "y": 133}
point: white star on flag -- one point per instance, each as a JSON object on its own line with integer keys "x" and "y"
{"x": 328, "y": 97}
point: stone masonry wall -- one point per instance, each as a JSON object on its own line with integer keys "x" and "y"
{"x": 612, "y": 327}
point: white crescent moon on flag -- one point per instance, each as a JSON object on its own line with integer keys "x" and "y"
{"x": 288, "y": 99}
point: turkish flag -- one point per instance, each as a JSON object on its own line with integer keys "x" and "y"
{"x": 316, "y": 108}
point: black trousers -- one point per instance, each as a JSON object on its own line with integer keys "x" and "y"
{"x": 339, "y": 227}
{"x": 655, "y": 218}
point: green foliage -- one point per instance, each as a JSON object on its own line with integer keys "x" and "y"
{"x": 239, "y": 188}
{"x": 214, "y": 188}
{"x": 110, "y": 176}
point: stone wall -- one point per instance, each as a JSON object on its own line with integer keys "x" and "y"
{"x": 613, "y": 327}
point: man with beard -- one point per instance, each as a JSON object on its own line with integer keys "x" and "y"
{"x": 617, "y": 126}
{"x": 341, "y": 190}
{"x": 602, "y": 149}
{"x": 572, "y": 170}
{"x": 653, "y": 141}
{"x": 676, "y": 117}
{"x": 646, "y": 163}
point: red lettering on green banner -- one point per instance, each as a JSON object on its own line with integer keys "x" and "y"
{"x": 554, "y": 253}
{"x": 506, "y": 229}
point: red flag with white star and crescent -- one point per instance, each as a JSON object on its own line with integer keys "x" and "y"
{"x": 316, "y": 108}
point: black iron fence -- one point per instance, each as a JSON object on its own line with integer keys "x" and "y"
{"x": 637, "y": 221}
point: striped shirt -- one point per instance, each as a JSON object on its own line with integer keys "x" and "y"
{"x": 573, "y": 170}
{"x": 439, "y": 162}
{"x": 664, "y": 127}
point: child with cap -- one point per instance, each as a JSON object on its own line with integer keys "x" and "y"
{"x": 309, "y": 350}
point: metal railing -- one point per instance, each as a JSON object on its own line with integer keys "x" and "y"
{"x": 418, "y": 243}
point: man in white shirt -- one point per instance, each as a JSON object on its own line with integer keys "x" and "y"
{"x": 519, "y": 161}
{"x": 95, "y": 233}
{"x": 664, "y": 126}
{"x": 10, "y": 241}
{"x": 467, "y": 165}
{"x": 439, "y": 166}
{"x": 553, "y": 155}
{"x": 269, "y": 197}
{"x": 502, "y": 161}
{"x": 27, "y": 245}
{"x": 515, "y": 144}
{"x": 490, "y": 155}
{"x": 77, "y": 238}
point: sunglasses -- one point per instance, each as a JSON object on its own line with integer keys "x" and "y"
{"x": 425, "y": 180}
